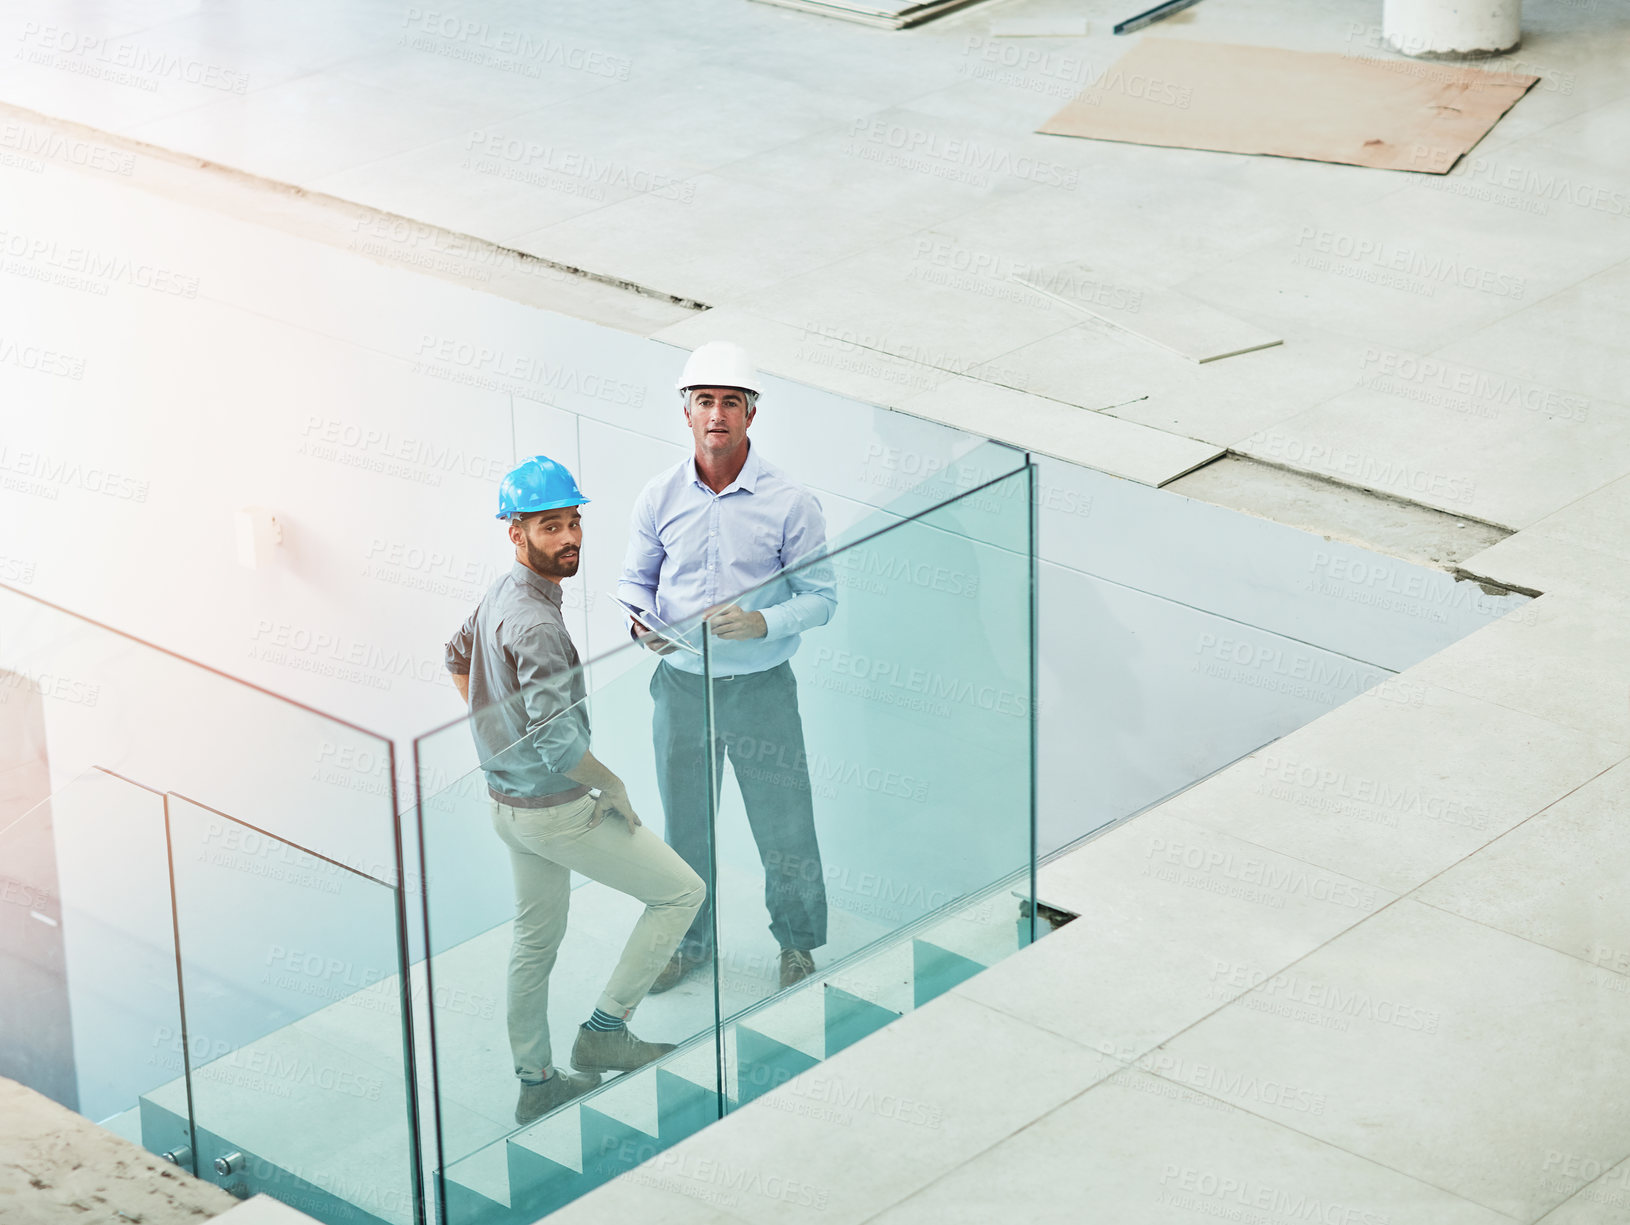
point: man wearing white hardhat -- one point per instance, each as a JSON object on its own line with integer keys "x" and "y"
{"x": 514, "y": 663}
{"x": 710, "y": 534}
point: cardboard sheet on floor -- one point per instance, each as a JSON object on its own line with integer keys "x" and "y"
{"x": 1386, "y": 113}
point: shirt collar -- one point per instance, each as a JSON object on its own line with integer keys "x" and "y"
{"x": 531, "y": 579}
{"x": 746, "y": 479}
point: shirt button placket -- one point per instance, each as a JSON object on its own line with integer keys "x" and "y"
{"x": 713, "y": 550}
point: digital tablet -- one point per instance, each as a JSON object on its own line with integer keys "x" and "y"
{"x": 656, "y": 625}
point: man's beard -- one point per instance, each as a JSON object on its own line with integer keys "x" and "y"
{"x": 545, "y": 563}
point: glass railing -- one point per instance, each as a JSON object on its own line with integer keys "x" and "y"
{"x": 292, "y": 985}
{"x": 553, "y": 929}
{"x": 91, "y": 1009}
{"x": 868, "y": 803}
{"x": 203, "y": 942}
{"x": 206, "y": 941}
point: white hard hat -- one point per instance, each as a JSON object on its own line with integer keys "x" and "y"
{"x": 719, "y": 363}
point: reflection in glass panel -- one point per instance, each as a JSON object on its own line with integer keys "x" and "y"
{"x": 291, "y": 972}
{"x": 535, "y": 919}
{"x": 876, "y": 809}
{"x": 88, "y": 957}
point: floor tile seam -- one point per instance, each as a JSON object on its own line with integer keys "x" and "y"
{"x": 1540, "y": 530}
{"x": 1040, "y": 395}
{"x": 1273, "y": 850}
{"x": 1133, "y": 1062}
{"x": 1034, "y": 1024}
{"x": 128, "y": 128}
{"x": 1068, "y": 327}
{"x": 1289, "y": 966}
{"x": 1552, "y": 537}
{"x": 314, "y": 185}
{"x": 1367, "y": 1159}
{"x": 1586, "y": 733}
{"x": 1216, "y": 266}
{"x": 1581, "y": 1189}
{"x": 1398, "y": 895}
{"x": 1540, "y": 522}
{"x": 1557, "y": 603}
{"x": 1331, "y": 1144}
{"x": 1466, "y": 329}
{"x": 835, "y": 129}
{"x": 1589, "y": 110}
{"x": 854, "y": 254}
{"x": 1445, "y": 909}
{"x": 734, "y": 302}
{"x": 1127, "y": 1069}
{"x": 1014, "y": 1131}
{"x": 1357, "y": 385}
{"x": 912, "y": 361}
{"x": 128, "y": 131}
{"x": 935, "y": 1179}
{"x": 1437, "y": 351}
{"x": 972, "y": 373}
{"x": 1538, "y": 812}
{"x": 1537, "y": 302}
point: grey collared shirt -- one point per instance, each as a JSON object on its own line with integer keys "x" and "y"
{"x": 530, "y": 717}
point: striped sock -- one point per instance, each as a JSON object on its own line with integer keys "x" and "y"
{"x": 605, "y": 1022}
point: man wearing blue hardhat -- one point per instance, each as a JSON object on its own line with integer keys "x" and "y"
{"x": 712, "y": 535}
{"x": 514, "y": 663}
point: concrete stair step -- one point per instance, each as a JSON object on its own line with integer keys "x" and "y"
{"x": 764, "y": 1063}
{"x": 985, "y": 931}
{"x": 850, "y": 1018}
{"x": 546, "y": 1164}
{"x": 937, "y": 970}
{"x": 884, "y": 978}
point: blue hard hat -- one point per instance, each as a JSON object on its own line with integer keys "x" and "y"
{"x": 537, "y": 484}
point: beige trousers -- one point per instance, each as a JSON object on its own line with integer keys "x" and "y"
{"x": 546, "y": 845}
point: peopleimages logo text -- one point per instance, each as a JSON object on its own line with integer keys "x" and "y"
{"x": 1432, "y": 269}
{"x": 975, "y": 156}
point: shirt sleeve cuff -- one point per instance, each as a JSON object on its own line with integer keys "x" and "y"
{"x": 778, "y": 622}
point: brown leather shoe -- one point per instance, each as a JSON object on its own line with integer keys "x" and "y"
{"x": 613, "y": 1050}
{"x": 679, "y": 965}
{"x": 561, "y": 1087}
{"x": 796, "y": 965}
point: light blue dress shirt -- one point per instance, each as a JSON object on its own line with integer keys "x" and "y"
{"x": 691, "y": 548}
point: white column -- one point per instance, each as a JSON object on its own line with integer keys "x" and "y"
{"x": 1452, "y": 28}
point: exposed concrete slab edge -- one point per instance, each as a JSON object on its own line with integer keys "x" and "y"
{"x": 323, "y": 199}
{"x": 58, "y": 1168}
{"x": 1367, "y": 489}
{"x": 1494, "y": 586}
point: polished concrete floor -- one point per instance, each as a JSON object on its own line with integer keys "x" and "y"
{"x": 1375, "y": 971}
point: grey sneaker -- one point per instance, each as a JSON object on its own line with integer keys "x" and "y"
{"x": 796, "y": 965}
{"x": 538, "y": 1100}
{"x": 613, "y": 1050}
